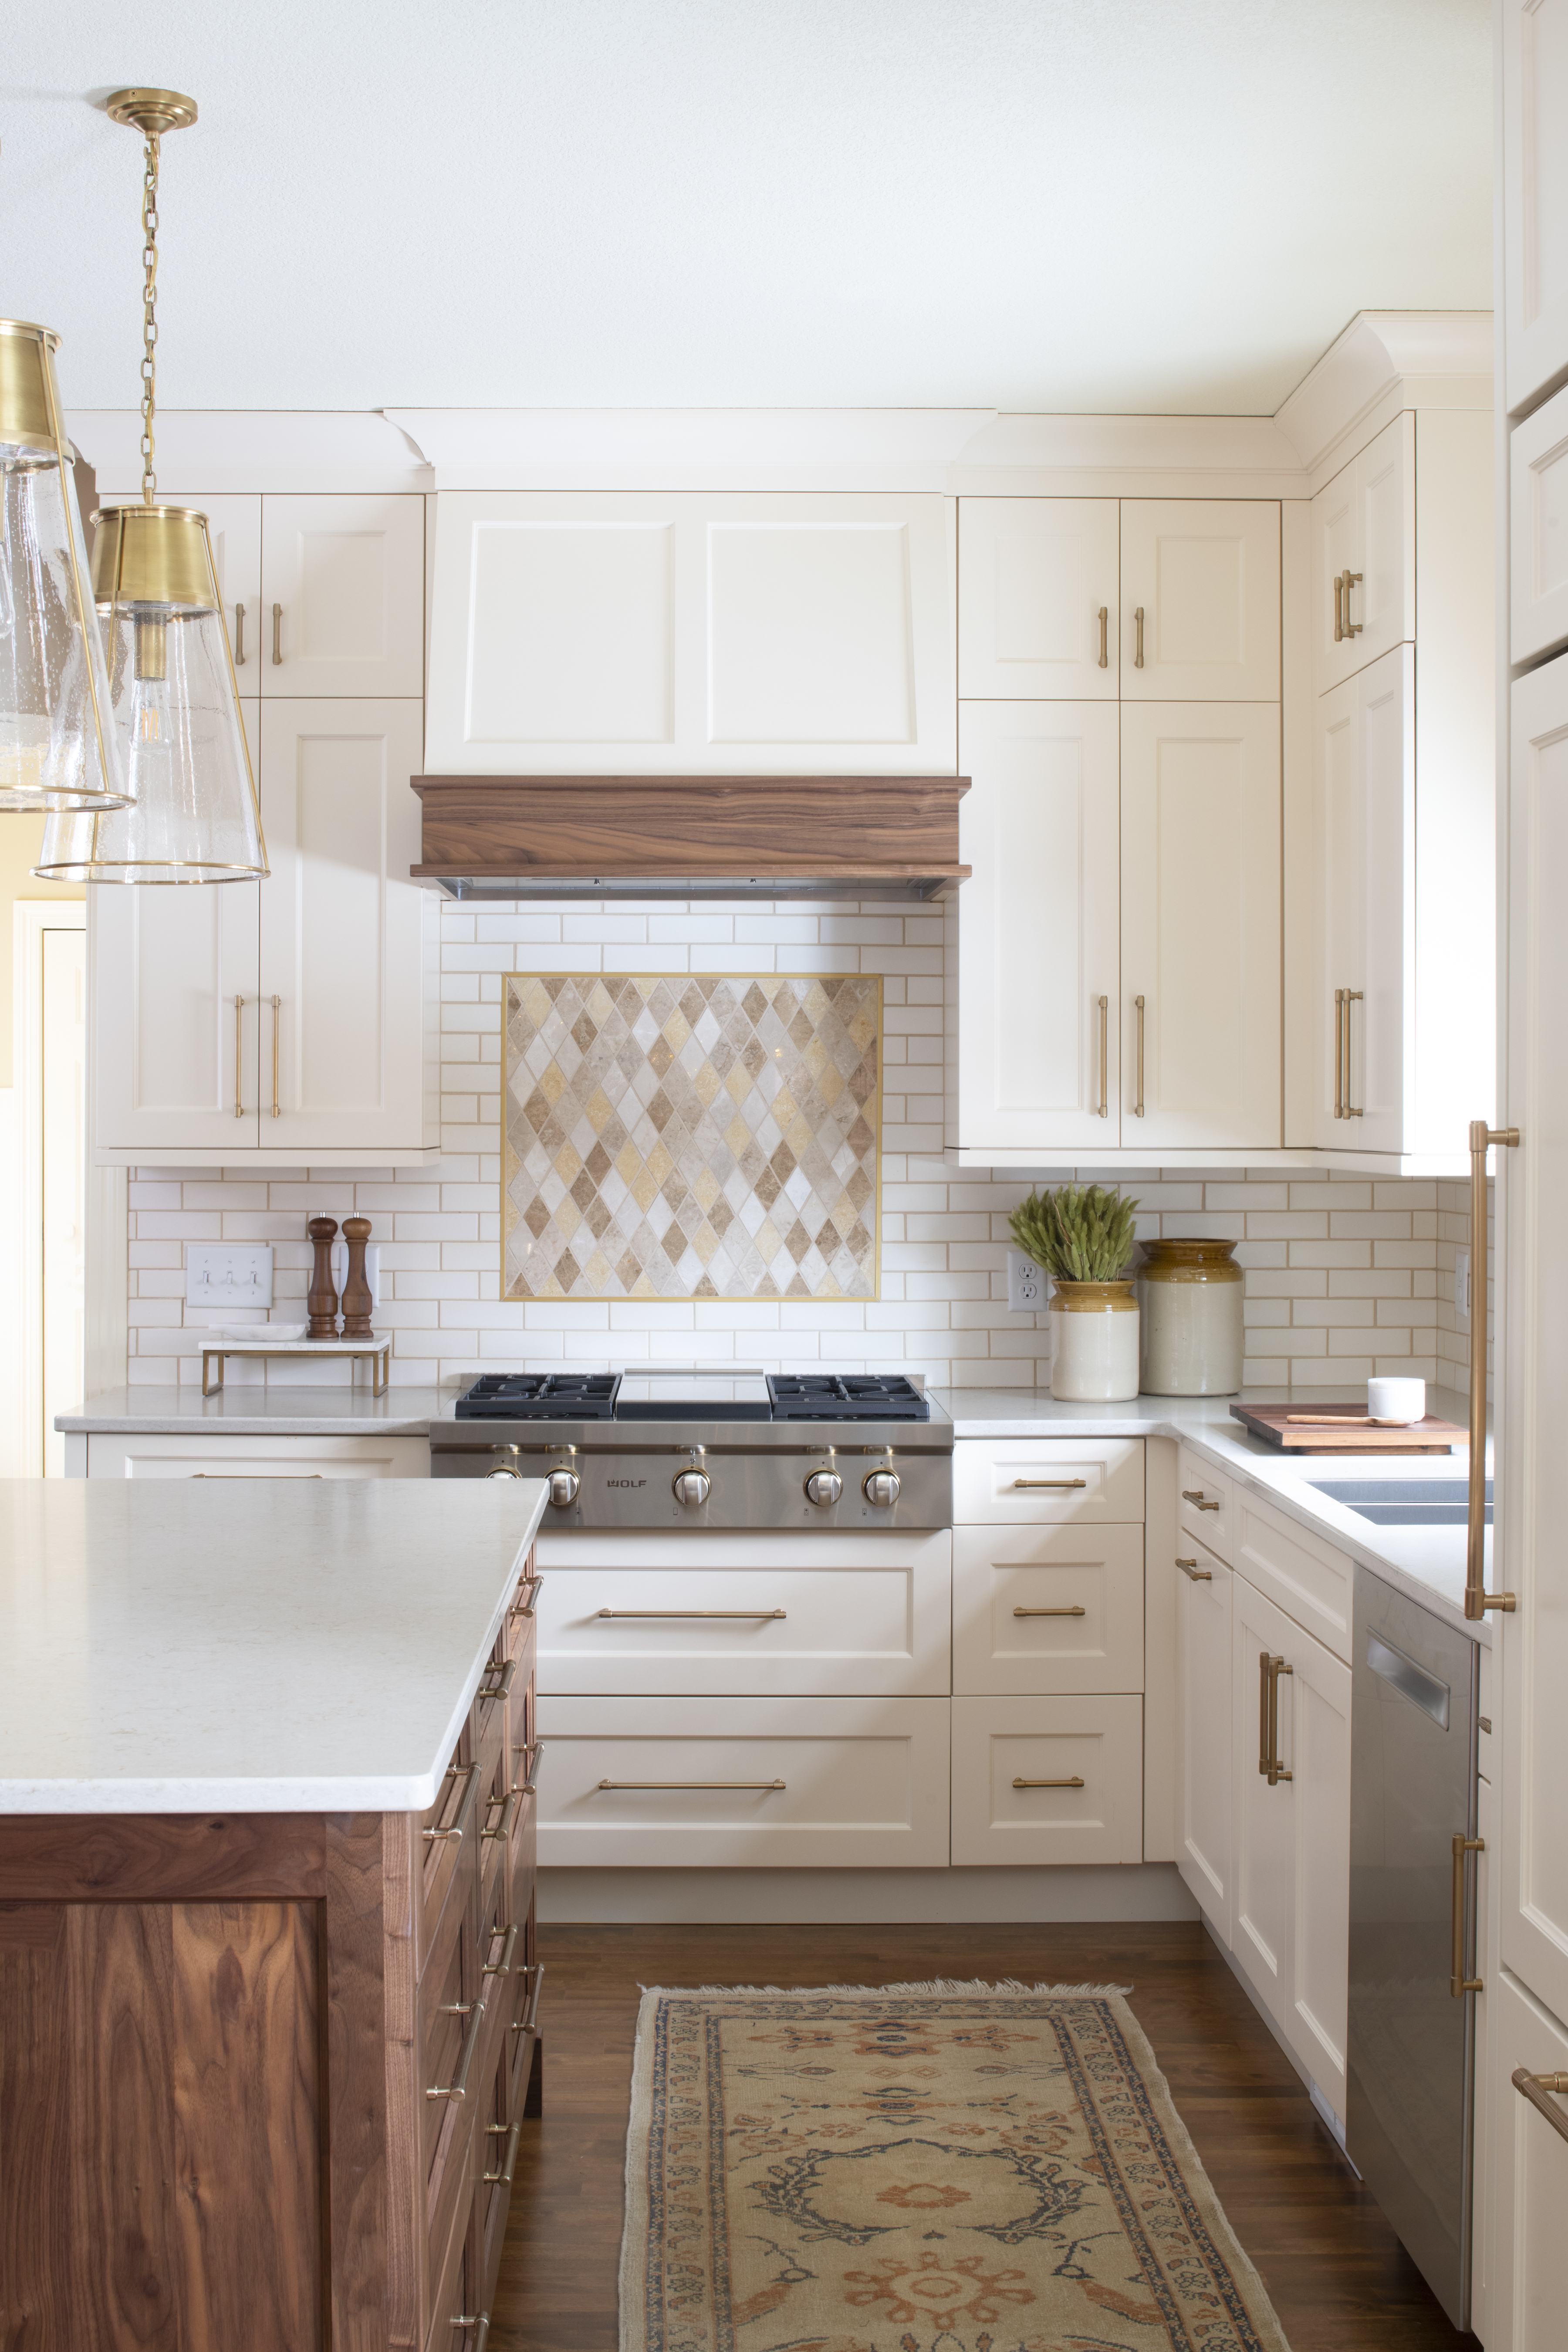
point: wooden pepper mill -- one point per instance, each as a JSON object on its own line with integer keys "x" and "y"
{"x": 358, "y": 1299}
{"x": 322, "y": 1298}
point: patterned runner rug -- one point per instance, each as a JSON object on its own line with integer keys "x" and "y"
{"x": 944, "y": 2168}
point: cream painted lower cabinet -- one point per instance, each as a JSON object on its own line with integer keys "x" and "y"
{"x": 1047, "y": 1779}
{"x": 1526, "y": 2296}
{"x": 195, "y": 1456}
{"x": 1204, "y": 1599}
{"x": 1047, "y": 1609}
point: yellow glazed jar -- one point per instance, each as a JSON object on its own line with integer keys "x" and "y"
{"x": 1191, "y": 1322}
{"x": 1094, "y": 1341}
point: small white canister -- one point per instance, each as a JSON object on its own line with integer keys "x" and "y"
{"x": 1193, "y": 1338}
{"x": 1094, "y": 1342}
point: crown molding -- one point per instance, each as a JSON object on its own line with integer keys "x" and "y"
{"x": 690, "y": 448}
{"x": 1385, "y": 361}
{"x": 204, "y": 452}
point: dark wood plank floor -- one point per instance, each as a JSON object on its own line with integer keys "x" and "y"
{"x": 1339, "y": 2278}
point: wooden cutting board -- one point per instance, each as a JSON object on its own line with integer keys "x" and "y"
{"x": 1276, "y": 1425}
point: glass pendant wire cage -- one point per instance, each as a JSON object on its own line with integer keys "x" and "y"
{"x": 58, "y": 746}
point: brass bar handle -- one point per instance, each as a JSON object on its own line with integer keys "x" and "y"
{"x": 1077, "y": 1781}
{"x": 1277, "y": 1771}
{"x": 512, "y": 2133}
{"x": 238, "y": 1042}
{"x": 479, "y": 2322}
{"x": 1138, "y": 1105}
{"x": 693, "y": 1784}
{"x": 1338, "y": 1047}
{"x": 276, "y": 1105}
{"x": 1458, "y": 1982}
{"x": 767, "y": 1615}
{"x": 470, "y": 1777}
{"x": 1193, "y": 1573}
{"x": 527, "y": 2022}
{"x": 532, "y": 1586}
{"x": 503, "y": 1828}
{"x": 535, "y": 1749}
{"x": 1477, "y": 1599}
{"x": 1104, "y": 649}
{"x": 1339, "y": 624}
{"x": 1536, "y": 2089}
{"x": 1195, "y": 1495}
{"x": 1352, "y": 580}
{"x": 1104, "y": 1111}
{"x": 1353, "y": 1110}
{"x": 502, "y": 1689}
{"x": 1020, "y": 1483}
{"x": 502, "y": 1968}
{"x": 239, "y": 636}
{"x": 277, "y": 637}
{"x": 1138, "y": 623}
{"x": 1263, "y": 1747}
{"x": 458, "y": 2088}
{"x": 1072, "y": 1609}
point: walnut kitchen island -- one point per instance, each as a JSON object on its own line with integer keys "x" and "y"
{"x": 267, "y": 1979}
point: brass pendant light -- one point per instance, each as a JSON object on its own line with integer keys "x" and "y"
{"x": 193, "y": 815}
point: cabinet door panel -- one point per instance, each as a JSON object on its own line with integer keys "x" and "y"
{"x": 1015, "y": 1592}
{"x": 1528, "y": 2265}
{"x": 1538, "y": 533}
{"x": 1033, "y": 576}
{"x": 1316, "y": 1745}
{"x": 1336, "y": 550}
{"x": 349, "y": 574}
{"x": 1013, "y": 1762}
{"x": 1367, "y": 777}
{"x": 342, "y": 928}
{"x": 1264, "y": 1855}
{"x": 1205, "y": 1731}
{"x": 1206, "y": 574}
{"x": 1535, "y": 194}
{"x": 1038, "y": 925}
{"x": 1200, "y": 923}
{"x": 1382, "y": 606}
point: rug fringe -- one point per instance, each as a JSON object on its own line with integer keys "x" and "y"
{"x": 1008, "y": 1987}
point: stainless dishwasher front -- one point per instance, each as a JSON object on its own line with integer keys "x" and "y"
{"x": 1411, "y": 2062}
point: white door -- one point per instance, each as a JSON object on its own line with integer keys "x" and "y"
{"x": 1037, "y": 598}
{"x": 1264, "y": 1818}
{"x": 1527, "y": 2283}
{"x": 1038, "y": 988}
{"x": 1200, "y": 925}
{"x": 1535, "y": 194}
{"x": 1200, "y": 600}
{"x": 175, "y": 1031}
{"x": 344, "y": 587}
{"x": 1204, "y": 1727}
{"x": 343, "y": 968}
{"x": 1315, "y": 1743}
{"x": 1366, "y": 765}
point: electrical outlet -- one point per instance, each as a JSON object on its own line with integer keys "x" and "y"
{"x": 229, "y": 1277}
{"x": 1026, "y": 1284}
{"x": 1462, "y": 1284}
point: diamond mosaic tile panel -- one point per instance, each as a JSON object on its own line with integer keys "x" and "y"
{"x": 684, "y": 1137}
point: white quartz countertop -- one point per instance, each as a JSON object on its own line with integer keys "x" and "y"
{"x": 250, "y": 1408}
{"x": 168, "y": 1646}
{"x": 1427, "y": 1564}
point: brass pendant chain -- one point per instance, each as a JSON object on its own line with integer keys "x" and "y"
{"x": 149, "y": 316}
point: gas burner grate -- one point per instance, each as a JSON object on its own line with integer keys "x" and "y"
{"x": 846, "y": 1396}
{"x": 540, "y": 1396}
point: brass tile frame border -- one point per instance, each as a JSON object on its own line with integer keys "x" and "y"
{"x": 737, "y": 1298}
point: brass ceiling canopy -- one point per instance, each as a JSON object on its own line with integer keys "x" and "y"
{"x": 152, "y": 111}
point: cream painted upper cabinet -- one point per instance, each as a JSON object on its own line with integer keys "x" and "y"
{"x": 692, "y": 633}
{"x": 1037, "y": 598}
{"x": 174, "y": 977}
{"x": 1200, "y": 925}
{"x": 1039, "y": 957}
{"x": 343, "y": 581}
{"x": 1535, "y": 194}
{"x": 1364, "y": 556}
{"x": 1538, "y": 532}
{"x": 234, "y": 531}
{"x": 1200, "y": 600}
{"x": 1366, "y": 994}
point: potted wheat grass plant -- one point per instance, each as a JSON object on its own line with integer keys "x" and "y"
{"x": 1083, "y": 1236}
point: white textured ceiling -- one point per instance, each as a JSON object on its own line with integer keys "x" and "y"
{"x": 1133, "y": 204}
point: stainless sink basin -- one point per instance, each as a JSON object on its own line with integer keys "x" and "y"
{"x": 1405, "y": 1502}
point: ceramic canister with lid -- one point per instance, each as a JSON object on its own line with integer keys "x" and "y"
{"x": 1192, "y": 1323}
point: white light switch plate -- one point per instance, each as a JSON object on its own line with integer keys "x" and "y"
{"x": 1026, "y": 1284}
{"x": 227, "y": 1276}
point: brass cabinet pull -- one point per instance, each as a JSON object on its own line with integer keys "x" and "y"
{"x": 1458, "y": 1982}
{"x": 1072, "y": 1609}
{"x": 503, "y": 1829}
{"x": 1138, "y": 623}
{"x": 479, "y": 2322}
{"x": 277, "y": 1107}
{"x": 239, "y": 636}
{"x": 1190, "y": 1569}
{"x": 1339, "y": 1050}
{"x": 525, "y": 2025}
{"x": 502, "y": 1689}
{"x": 1138, "y": 1105}
{"x": 238, "y": 1041}
{"x": 1536, "y": 2089}
{"x": 1262, "y": 1713}
{"x": 277, "y": 637}
{"x": 535, "y": 1749}
{"x": 502, "y": 1968}
{"x": 1477, "y": 1599}
{"x": 512, "y": 2133}
{"x": 1077, "y": 1781}
{"x": 1104, "y": 649}
{"x": 1195, "y": 1495}
{"x": 1338, "y": 623}
{"x": 1352, "y": 580}
{"x": 1351, "y": 996}
{"x": 1019, "y": 1482}
{"x": 767, "y": 1614}
{"x": 1274, "y": 1770}
{"x": 531, "y": 1585}
{"x": 693, "y": 1784}
{"x": 458, "y": 2088}
{"x": 470, "y": 1775}
{"x": 1104, "y": 1111}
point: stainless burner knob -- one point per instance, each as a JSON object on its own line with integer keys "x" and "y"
{"x": 881, "y": 1486}
{"x": 692, "y": 1487}
{"x": 824, "y": 1486}
{"x": 503, "y": 1474}
{"x": 564, "y": 1487}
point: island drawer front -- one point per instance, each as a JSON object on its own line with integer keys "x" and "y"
{"x": 494, "y": 2147}
{"x": 1019, "y": 1481}
{"x": 449, "y": 1994}
{"x": 454, "y": 2276}
{"x": 520, "y": 1629}
{"x": 447, "y": 1839}
{"x": 1301, "y": 1574}
{"x": 1205, "y": 1504}
{"x": 996, "y": 1742}
{"x": 860, "y": 1782}
{"x": 522, "y": 2027}
{"x": 999, "y": 1572}
{"x": 824, "y": 1617}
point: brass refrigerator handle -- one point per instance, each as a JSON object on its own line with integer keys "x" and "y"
{"x": 239, "y": 636}
{"x": 1104, "y": 1110}
{"x": 1138, "y": 625}
{"x": 238, "y": 1043}
{"x": 1339, "y": 1043}
{"x": 1458, "y": 1982}
{"x": 1477, "y": 1599}
{"x": 1352, "y": 580}
{"x": 1536, "y": 2089}
{"x": 1104, "y": 649}
{"x": 1138, "y": 1105}
{"x": 277, "y": 637}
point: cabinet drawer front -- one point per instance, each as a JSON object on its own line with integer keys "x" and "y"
{"x": 1206, "y": 1503}
{"x": 1012, "y": 1591}
{"x": 151, "y": 1456}
{"x": 878, "y": 1626}
{"x": 1019, "y": 1481}
{"x": 997, "y": 1745}
{"x": 784, "y": 1782}
{"x": 1307, "y": 1578}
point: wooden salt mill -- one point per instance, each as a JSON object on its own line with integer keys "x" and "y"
{"x": 322, "y": 1298}
{"x": 358, "y": 1299}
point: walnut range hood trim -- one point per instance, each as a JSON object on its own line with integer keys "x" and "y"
{"x": 690, "y": 836}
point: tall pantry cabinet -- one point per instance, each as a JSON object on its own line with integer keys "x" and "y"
{"x": 284, "y": 1020}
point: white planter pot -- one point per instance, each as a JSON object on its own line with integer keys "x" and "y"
{"x": 1094, "y": 1334}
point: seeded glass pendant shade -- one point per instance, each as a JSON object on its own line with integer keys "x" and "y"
{"x": 57, "y": 746}
{"x": 193, "y": 814}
